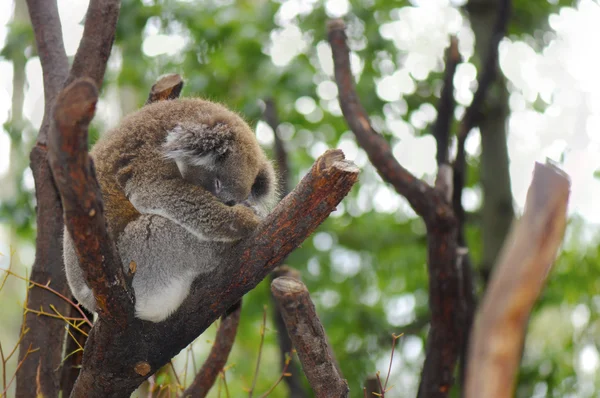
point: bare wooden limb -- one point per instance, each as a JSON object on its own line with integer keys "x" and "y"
{"x": 308, "y": 336}
{"x": 425, "y": 200}
{"x": 51, "y": 49}
{"x": 42, "y": 367}
{"x": 446, "y": 300}
{"x": 96, "y": 43}
{"x": 217, "y": 358}
{"x": 82, "y": 202}
{"x": 167, "y": 87}
{"x": 517, "y": 281}
{"x": 294, "y": 381}
{"x": 116, "y": 362}
{"x": 39, "y": 372}
{"x": 445, "y": 107}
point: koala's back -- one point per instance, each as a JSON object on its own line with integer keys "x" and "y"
{"x": 142, "y": 133}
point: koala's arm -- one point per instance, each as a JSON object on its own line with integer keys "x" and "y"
{"x": 153, "y": 186}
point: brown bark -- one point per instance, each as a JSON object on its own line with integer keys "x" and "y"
{"x": 517, "y": 281}
{"x": 82, "y": 202}
{"x": 309, "y": 338}
{"x": 167, "y": 87}
{"x": 294, "y": 381}
{"x": 219, "y": 352}
{"x": 96, "y": 43}
{"x": 40, "y": 370}
{"x": 446, "y": 299}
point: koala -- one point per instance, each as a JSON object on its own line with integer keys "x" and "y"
{"x": 182, "y": 181}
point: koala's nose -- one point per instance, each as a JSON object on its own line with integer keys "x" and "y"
{"x": 230, "y": 203}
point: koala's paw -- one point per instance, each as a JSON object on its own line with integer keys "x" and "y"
{"x": 244, "y": 221}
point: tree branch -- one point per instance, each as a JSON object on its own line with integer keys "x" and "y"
{"x": 167, "y": 87}
{"x": 516, "y": 283}
{"x": 446, "y": 104}
{"x": 446, "y": 299}
{"x": 294, "y": 382}
{"x": 425, "y": 201}
{"x": 96, "y": 43}
{"x": 82, "y": 202}
{"x": 51, "y": 49}
{"x": 116, "y": 361}
{"x": 39, "y": 373}
{"x": 308, "y": 336}
{"x": 217, "y": 358}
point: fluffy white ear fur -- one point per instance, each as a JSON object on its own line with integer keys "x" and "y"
{"x": 181, "y": 146}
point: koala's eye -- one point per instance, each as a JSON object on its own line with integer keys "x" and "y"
{"x": 261, "y": 184}
{"x": 218, "y": 186}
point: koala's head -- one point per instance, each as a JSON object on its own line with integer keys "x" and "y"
{"x": 218, "y": 151}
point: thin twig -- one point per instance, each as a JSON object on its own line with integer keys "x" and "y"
{"x": 284, "y": 374}
{"x": 219, "y": 352}
{"x": 260, "y": 348}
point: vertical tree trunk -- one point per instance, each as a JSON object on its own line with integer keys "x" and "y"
{"x": 497, "y": 211}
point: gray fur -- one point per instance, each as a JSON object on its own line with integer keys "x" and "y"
{"x": 164, "y": 207}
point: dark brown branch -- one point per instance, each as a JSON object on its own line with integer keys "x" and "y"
{"x": 116, "y": 362}
{"x": 517, "y": 281}
{"x": 82, "y": 202}
{"x": 446, "y": 104}
{"x": 308, "y": 336}
{"x": 294, "y": 382}
{"x": 281, "y": 157}
{"x": 167, "y": 87}
{"x": 426, "y": 201}
{"x": 217, "y": 358}
{"x": 39, "y": 372}
{"x": 446, "y": 300}
{"x": 96, "y": 43}
{"x": 51, "y": 49}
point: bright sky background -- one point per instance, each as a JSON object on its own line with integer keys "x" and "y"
{"x": 563, "y": 75}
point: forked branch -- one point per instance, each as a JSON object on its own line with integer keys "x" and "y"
{"x": 446, "y": 299}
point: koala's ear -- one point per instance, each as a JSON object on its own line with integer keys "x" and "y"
{"x": 198, "y": 144}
